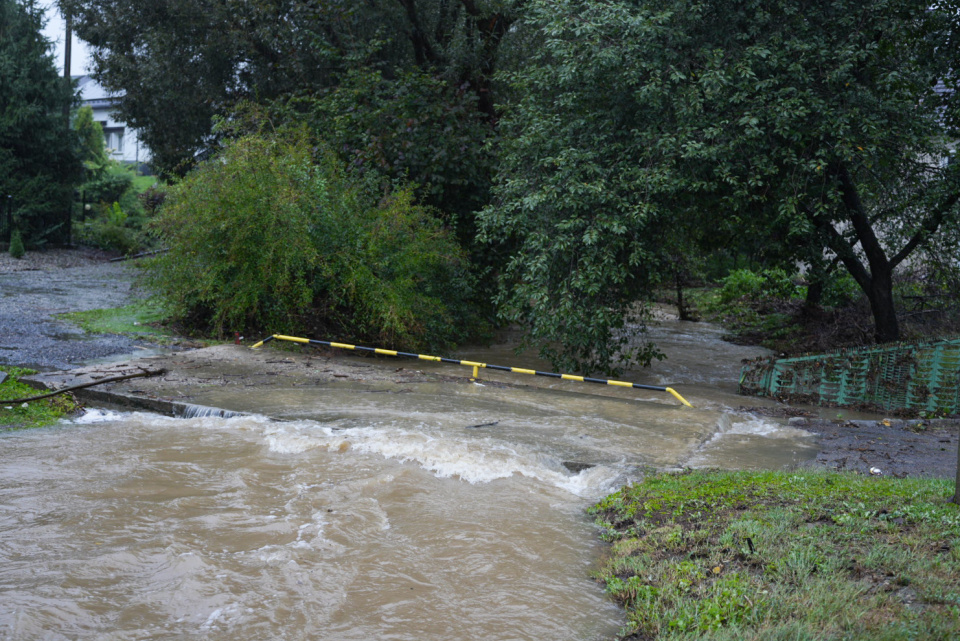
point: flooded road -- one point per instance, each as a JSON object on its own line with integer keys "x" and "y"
{"x": 426, "y": 511}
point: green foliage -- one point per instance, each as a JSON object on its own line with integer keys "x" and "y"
{"x": 274, "y": 235}
{"x": 93, "y": 150}
{"x": 181, "y": 63}
{"x": 16, "y": 244}
{"x": 110, "y": 233}
{"x": 38, "y": 152}
{"x": 803, "y": 127}
{"x": 412, "y": 127}
{"x": 776, "y": 555}
{"x": 569, "y": 202}
{"x": 118, "y": 212}
{"x": 111, "y": 185}
{"x": 34, "y": 413}
{"x": 769, "y": 283}
{"x": 841, "y": 290}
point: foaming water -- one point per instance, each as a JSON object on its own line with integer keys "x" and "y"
{"x": 126, "y": 526}
{"x": 427, "y": 511}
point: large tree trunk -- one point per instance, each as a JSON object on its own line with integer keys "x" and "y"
{"x": 877, "y": 284}
{"x": 880, "y": 295}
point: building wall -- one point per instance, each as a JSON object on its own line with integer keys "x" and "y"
{"x": 121, "y": 141}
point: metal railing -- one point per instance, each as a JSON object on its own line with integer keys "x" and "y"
{"x": 475, "y": 365}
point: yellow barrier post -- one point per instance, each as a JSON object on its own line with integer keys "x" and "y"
{"x": 476, "y": 366}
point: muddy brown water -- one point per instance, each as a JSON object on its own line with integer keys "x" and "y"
{"x": 431, "y": 512}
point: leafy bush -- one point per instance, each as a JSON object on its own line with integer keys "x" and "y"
{"x": 110, "y": 187}
{"x": 109, "y": 234}
{"x": 16, "y": 244}
{"x": 116, "y": 212}
{"x": 840, "y": 291}
{"x": 274, "y": 235}
{"x": 769, "y": 283}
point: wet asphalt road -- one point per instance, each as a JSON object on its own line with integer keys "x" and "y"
{"x": 32, "y": 336}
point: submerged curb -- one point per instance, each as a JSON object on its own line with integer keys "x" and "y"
{"x": 115, "y": 399}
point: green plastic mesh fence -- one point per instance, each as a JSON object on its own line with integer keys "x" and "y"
{"x": 901, "y": 378}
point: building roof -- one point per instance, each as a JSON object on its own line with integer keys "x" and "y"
{"x": 93, "y": 94}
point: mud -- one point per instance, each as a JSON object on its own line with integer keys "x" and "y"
{"x": 925, "y": 448}
{"x": 897, "y": 448}
{"x": 182, "y": 379}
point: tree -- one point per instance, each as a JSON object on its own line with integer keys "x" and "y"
{"x": 38, "y": 159}
{"x": 182, "y": 62}
{"x": 826, "y": 125}
{"x": 93, "y": 151}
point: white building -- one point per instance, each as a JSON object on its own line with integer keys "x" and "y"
{"x": 121, "y": 141}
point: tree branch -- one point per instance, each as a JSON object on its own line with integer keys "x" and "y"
{"x": 929, "y": 226}
{"x": 422, "y": 49}
{"x": 858, "y": 217}
{"x": 841, "y": 248}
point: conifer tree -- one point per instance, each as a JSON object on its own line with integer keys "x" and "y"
{"x": 39, "y": 164}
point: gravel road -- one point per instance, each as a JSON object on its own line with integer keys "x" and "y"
{"x": 37, "y": 287}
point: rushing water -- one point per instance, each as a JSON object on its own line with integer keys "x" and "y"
{"x": 419, "y": 512}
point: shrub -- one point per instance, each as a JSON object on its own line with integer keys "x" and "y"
{"x": 274, "y": 235}
{"x": 110, "y": 187}
{"x": 769, "y": 283}
{"x": 104, "y": 233}
{"x": 16, "y": 244}
{"x": 841, "y": 290}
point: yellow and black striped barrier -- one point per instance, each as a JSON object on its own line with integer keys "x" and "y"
{"x": 476, "y": 366}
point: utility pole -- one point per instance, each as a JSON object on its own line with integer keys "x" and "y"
{"x": 67, "y": 18}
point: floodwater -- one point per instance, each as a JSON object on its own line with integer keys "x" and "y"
{"x": 429, "y": 512}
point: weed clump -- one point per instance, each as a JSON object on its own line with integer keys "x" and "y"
{"x": 16, "y": 244}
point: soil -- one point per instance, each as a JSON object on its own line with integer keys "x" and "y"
{"x": 902, "y": 448}
{"x": 45, "y": 283}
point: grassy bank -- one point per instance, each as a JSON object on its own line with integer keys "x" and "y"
{"x": 778, "y": 555}
{"x": 34, "y": 413}
{"x": 141, "y": 319}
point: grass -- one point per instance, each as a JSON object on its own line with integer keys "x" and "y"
{"x": 780, "y": 555}
{"x": 139, "y": 320}
{"x": 143, "y": 183}
{"x": 34, "y": 413}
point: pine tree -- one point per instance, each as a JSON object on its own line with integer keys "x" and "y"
{"x": 39, "y": 163}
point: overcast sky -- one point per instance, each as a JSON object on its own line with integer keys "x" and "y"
{"x": 55, "y": 31}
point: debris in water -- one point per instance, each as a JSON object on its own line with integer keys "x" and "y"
{"x": 469, "y": 427}
{"x": 577, "y": 467}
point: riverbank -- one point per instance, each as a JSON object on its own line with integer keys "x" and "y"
{"x": 778, "y": 555}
